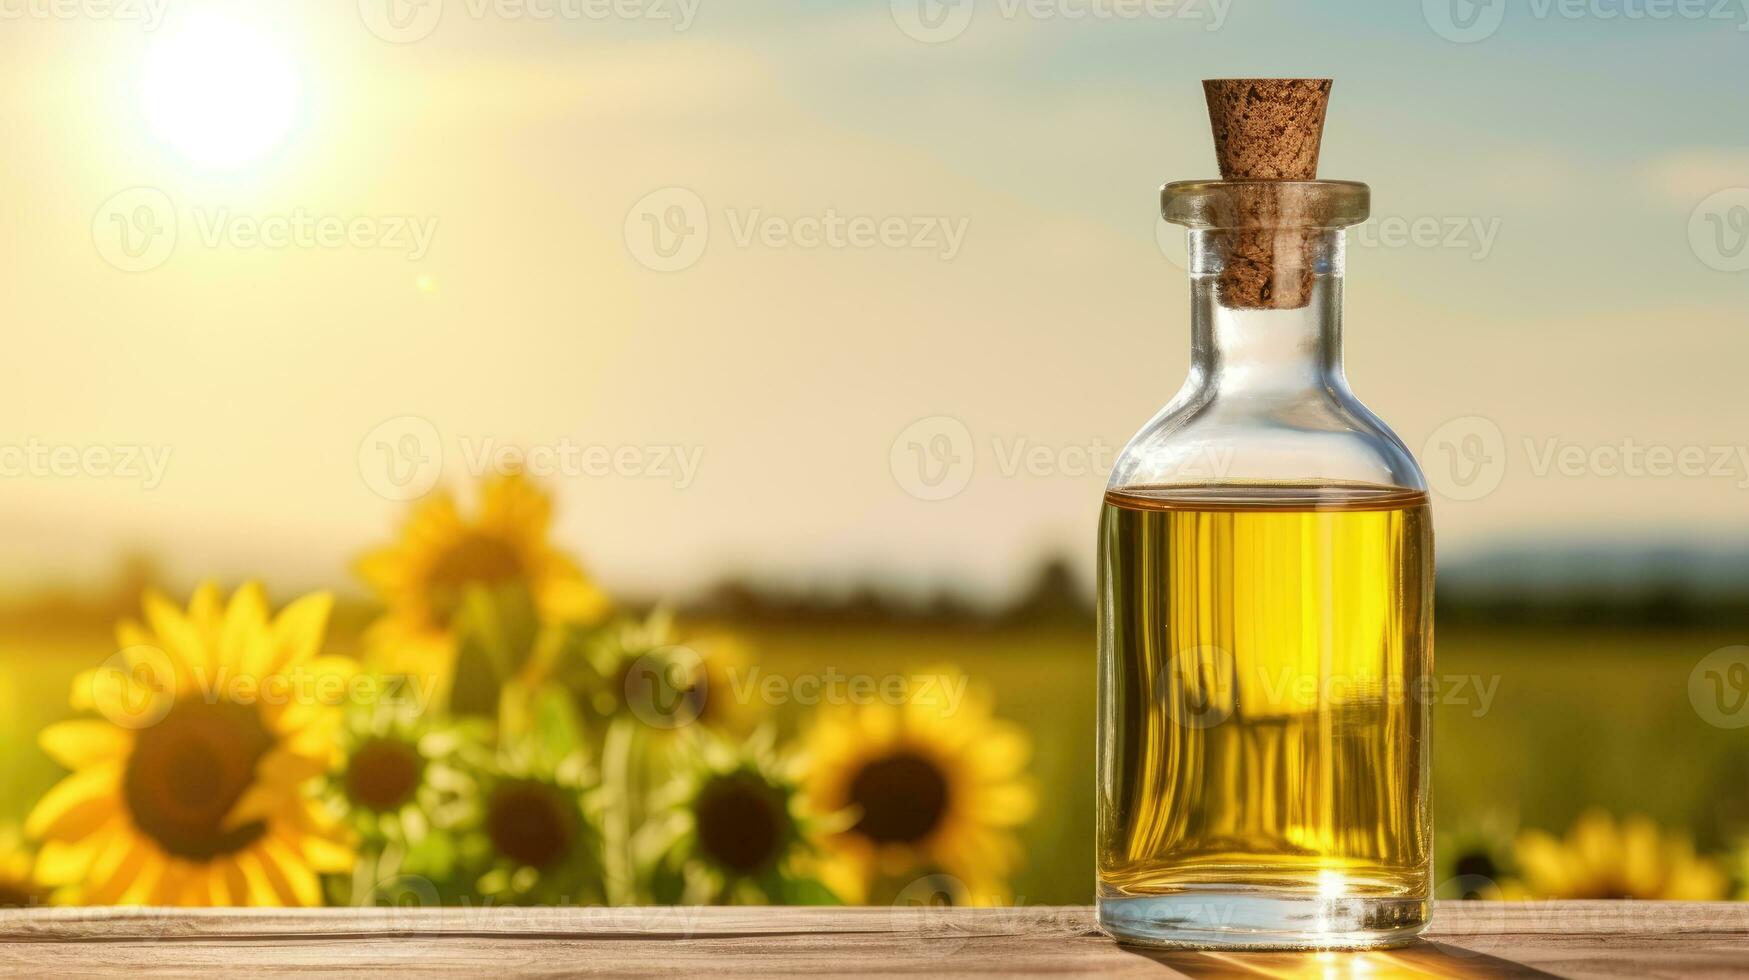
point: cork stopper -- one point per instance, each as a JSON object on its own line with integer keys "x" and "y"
{"x": 1268, "y": 129}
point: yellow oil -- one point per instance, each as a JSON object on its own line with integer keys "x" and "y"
{"x": 1265, "y": 655}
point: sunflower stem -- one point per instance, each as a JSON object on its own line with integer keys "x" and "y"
{"x": 616, "y": 831}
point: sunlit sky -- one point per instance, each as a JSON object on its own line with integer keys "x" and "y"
{"x": 470, "y": 251}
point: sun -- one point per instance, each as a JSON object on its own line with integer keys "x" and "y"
{"x": 219, "y": 91}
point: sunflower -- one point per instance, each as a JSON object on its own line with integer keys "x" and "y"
{"x": 1603, "y": 859}
{"x": 641, "y": 668}
{"x": 934, "y": 786}
{"x": 18, "y": 886}
{"x": 533, "y": 838}
{"x": 1475, "y": 855}
{"x": 190, "y": 791}
{"x": 739, "y": 829}
{"x": 403, "y": 772}
{"x": 442, "y": 555}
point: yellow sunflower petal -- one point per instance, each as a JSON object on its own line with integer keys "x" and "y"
{"x": 85, "y": 742}
{"x": 130, "y": 633}
{"x": 166, "y": 887}
{"x": 62, "y": 863}
{"x": 242, "y": 634}
{"x": 297, "y": 631}
{"x": 66, "y": 809}
{"x": 261, "y": 891}
{"x": 261, "y": 801}
{"x": 574, "y": 601}
{"x": 115, "y": 868}
{"x": 1544, "y": 864}
{"x": 236, "y": 884}
{"x": 1695, "y": 880}
{"x": 178, "y": 638}
{"x": 292, "y": 879}
{"x": 204, "y": 610}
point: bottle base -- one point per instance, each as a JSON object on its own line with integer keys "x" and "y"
{"x": 1244, "y": 919}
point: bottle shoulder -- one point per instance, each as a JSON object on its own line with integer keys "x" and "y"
{"x": 1322, "y": 434}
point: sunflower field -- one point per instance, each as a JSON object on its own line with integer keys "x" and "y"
{"x": 504, "y": 734}
{"x": 492, "y": 728}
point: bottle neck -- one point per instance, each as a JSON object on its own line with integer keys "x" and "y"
{"x": 1262, "y": 352}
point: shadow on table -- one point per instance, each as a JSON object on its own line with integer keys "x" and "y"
{"x": 1419, "y": 959}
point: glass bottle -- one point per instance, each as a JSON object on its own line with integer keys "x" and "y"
{"x": 1265, "y": 613}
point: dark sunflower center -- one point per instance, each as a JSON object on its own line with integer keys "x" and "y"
{"x": 383, "y": 774}
{"x": 475, "y": 559}
{"x": 741, "y": 822}
{"x": 1476, "y": 865}
{"x": 188, "y": 771}
{"x": 531, "y": 823}
{"x": 902, "y": 797}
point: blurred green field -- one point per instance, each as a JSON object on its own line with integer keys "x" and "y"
{"x": 1537, "y": 723}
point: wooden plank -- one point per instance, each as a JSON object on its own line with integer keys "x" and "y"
{"x": 1469, "y": 939}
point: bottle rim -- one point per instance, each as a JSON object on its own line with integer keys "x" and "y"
{"x": 1252, "y": 204}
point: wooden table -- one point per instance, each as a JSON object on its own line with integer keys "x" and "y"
{"x": 1469, "y": 939}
